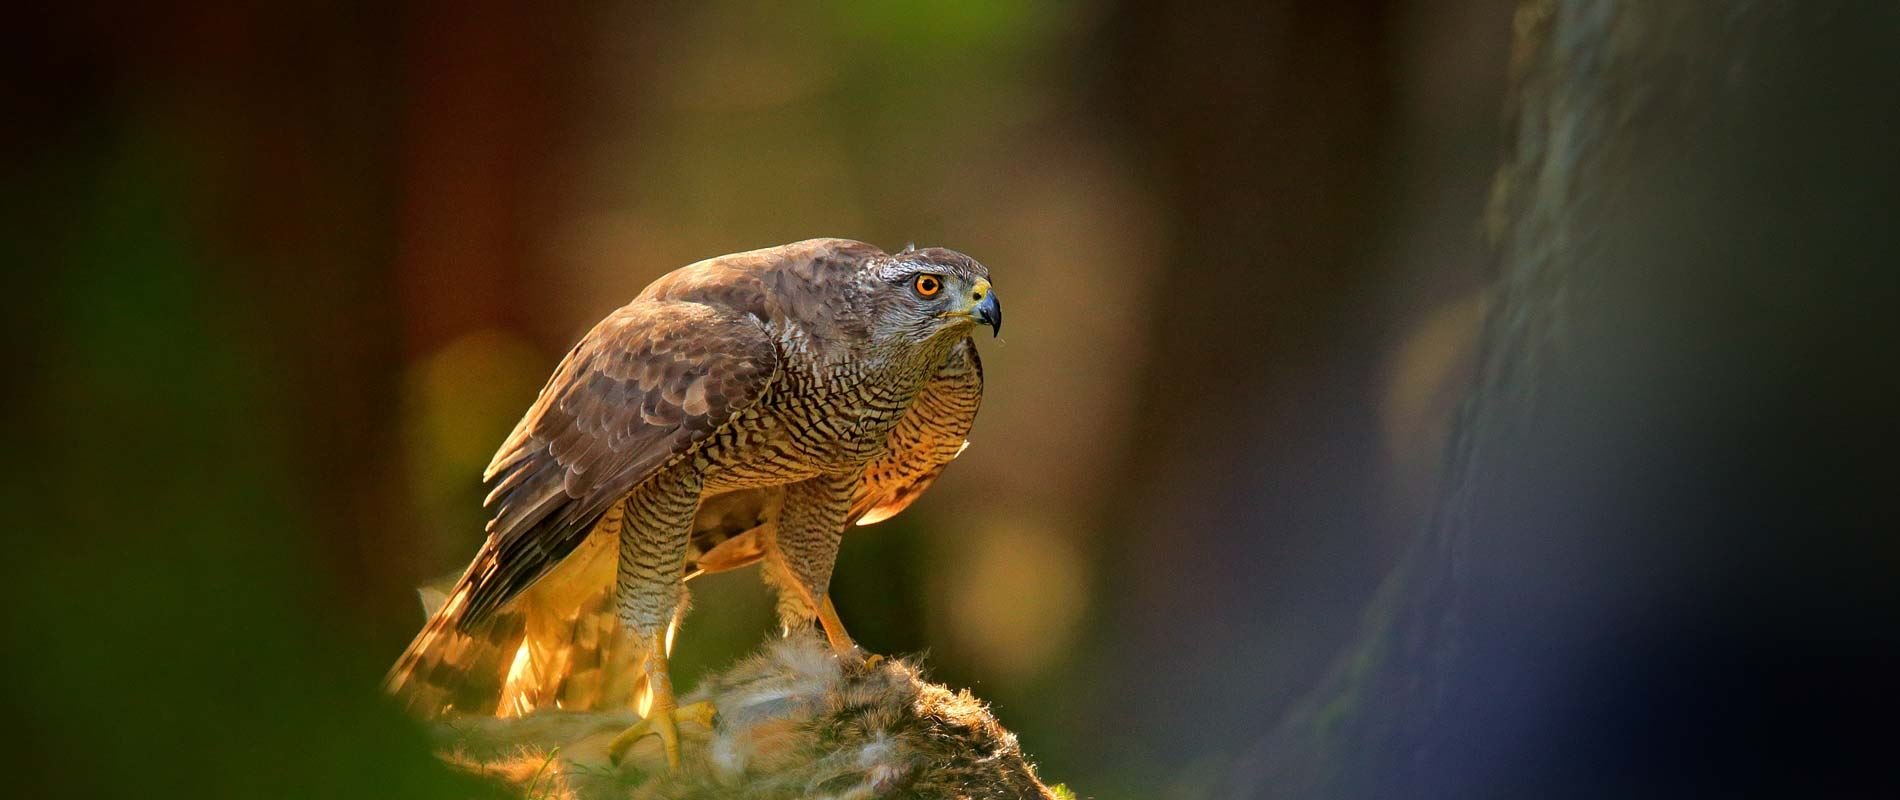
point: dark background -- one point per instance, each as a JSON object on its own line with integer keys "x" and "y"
{"x": 283, "y": 277}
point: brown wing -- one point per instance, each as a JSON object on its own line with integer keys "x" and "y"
{"x": 646, "y": 385}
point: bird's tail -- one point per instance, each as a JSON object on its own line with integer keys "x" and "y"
{"x": 556, "y": 645}
{"x": 560, "y": 644}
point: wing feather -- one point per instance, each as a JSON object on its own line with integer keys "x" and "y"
{"x": 648, "y": 384}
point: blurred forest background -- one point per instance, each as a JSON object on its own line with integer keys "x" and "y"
{"x": 284, "y": 275}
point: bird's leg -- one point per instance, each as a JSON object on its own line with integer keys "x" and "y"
{"x": 834, "y": 627}
{"x": 841, "y": 641}
{"x": 651, "y": 595}
{"x": 664, "y": 714}
{"x": 802, "y": 552}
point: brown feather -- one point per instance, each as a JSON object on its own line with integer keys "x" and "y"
{"x": 611, "y": 415}
{"x": 932, "y": 433}
{"x": 532, "y": 621}
{"x": 556, "y": 644}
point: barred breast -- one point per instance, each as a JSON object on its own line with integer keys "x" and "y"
{"x": 823, "y": 417}
{"x": 927, "y": 435}
{"x": 933, "y": 431}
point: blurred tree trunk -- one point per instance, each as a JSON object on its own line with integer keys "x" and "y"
{"x": 1656, "y": 563}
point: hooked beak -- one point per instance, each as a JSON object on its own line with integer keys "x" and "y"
{"x": 988, "y": 310}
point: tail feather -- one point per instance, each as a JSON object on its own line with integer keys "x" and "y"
{"x": 439, "y": 671}
{"x": 558, "y": 644}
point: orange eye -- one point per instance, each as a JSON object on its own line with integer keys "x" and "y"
{"x": 929, "y": 285}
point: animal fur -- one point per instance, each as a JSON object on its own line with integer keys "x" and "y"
{"x": 793, "y": 722}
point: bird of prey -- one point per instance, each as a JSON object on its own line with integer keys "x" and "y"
{"x": 745, "y": 408}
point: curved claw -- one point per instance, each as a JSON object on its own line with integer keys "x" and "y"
{"x": 841, "y": 643}
{"x": 662, "y": 718}
{"x": 663, "y": 723}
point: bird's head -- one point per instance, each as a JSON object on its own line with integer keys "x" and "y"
{"x": 931, "y": 295}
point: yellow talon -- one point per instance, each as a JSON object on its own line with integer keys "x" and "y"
{"x": 663, "y": 716}
{"x": 841, "y": 642}
{"x": 701, "y": 712}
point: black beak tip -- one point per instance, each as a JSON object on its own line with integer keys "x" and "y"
{"x": 989, "y": 311}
